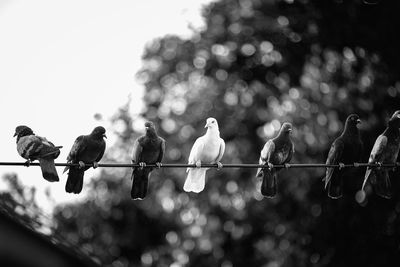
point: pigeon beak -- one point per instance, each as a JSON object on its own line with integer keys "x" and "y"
{"x": 358, "y": 121}
{"x": 15, "y": 134}
{"x": 105, "y": 136}
{"x": 207, "y": 125}
{"x": 147, "y": 127}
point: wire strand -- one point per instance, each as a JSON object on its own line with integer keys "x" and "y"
{"x": 180, "y": 165}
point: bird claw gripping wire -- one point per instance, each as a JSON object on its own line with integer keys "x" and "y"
{"x": 142, "y": 165}
{"x": 220, "y": 166}
{"x": 95, "y": 164}
{"x": 355, "y": 164}
{"x": 27, "y": 163}
{"x": 341, "y": 165}
{"x": 198, "y": 164}
{"x": 270, "y": 166}
{"x": 158, "y": 165}
{"x": 394, "y": 168}
{"x": 81, "y": 164}
{"x": 287, "y": 165}
{"x": 379, "y": 165}
{"x": 396, "y": 165}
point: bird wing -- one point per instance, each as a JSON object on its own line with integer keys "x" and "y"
{"x": 29, "y": 147}
{"x": 101, "y": 149}
{"x": 221, "y": 150}
{"x": 265, "y": 155}
{"x": 137, "y": 151}
{"x": 334, "y": 155}
{"x": 290, "y": 153}
{"x": 77, "y": 148}
{"x": 378, "y": 149}
{"x": 267, "y": 151}
{"x": 197, "y": 150}
{"x": 48, "y": 149}
{"x": 375, "y": 156}
{"x": 162, "y": 150}
{"x": 44, "y": 140}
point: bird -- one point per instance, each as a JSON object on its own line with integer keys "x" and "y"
{"x": 276, "y": 151}
{"x": 345, "y": 149}
{"x": 385, "y": 150}
{"x": 32, "y": 147}
{"x": 87, "y": 149}
{"x": 209, "y": 149}
{"x": 147, "y": 149}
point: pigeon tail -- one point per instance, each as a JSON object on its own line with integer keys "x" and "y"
{"x": 139, "y": 184}
{"x": 382, "y": 184}
{"x": 334, "y": 187}
{"x": 74, "y": 181}
{"x": 195, "y": 180}
{"x": 66, "y": 169}
{"x": 49, "y": 171}
{"x": 268, "y": 185}
{"x": 259, "y": 172}
{"x": 367, "y": 174}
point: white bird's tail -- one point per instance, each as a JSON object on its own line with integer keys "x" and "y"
{"x": 195, "y": 180}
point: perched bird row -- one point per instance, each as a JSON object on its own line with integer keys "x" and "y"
{"x": 87, "y": 149}
{"x": 209, "y": 149}
{"x": 347, "y": 149}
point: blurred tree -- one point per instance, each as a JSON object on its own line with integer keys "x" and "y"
{"x": 21, "y": 204}
{"x": 254, "y": 65}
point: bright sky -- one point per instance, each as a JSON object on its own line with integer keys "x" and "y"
{"x": 63, "y": 61}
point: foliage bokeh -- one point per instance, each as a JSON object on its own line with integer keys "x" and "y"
{"x": 254, "y": 65}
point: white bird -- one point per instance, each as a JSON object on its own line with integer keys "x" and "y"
{"x": 209, "y": 149}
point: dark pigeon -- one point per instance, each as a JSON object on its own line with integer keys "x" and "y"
{"x": 87, "y": 149}
{"x": 346, "y": 149}
{"x": 276, "y": 151}
{"x": 385, "y": 150}
{"x": 147, "y": 149}
{"x": 32, "y": 147}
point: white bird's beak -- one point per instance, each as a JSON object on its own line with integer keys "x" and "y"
{"x": 207, "y": 125}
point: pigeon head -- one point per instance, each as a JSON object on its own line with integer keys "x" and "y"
{"x": 350, "y": 127}
{"x": 150, "y": 127}
{"x": 286, "y": 128}
{"x": 211, "y": 123}
{"x": 23, "y": 130}
{"x": 99, "y": 132}
{"x": 395, "y": 119}
{"x": 396, "y": 114}
{"x": 353, "y": 119}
